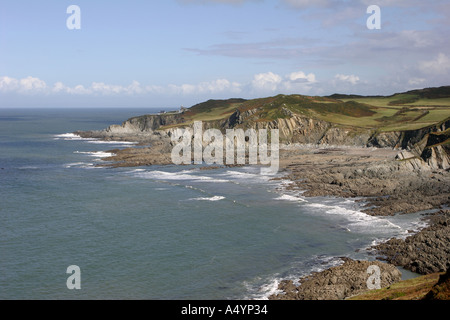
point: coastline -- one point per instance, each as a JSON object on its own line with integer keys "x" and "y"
{"x": 386, "y": 185}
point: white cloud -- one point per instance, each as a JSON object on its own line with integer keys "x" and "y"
{"x": 59, "y": 87}
{"x": 206, "y": 87}
{"x": 219, "y": 85}
{"x": 348, "y": 78}
{"x": 78, "y": 90}
{"x": 154, "y": 89}
{"x": 416, "y": 81}
{"x": 25, "y": 85}
{"x": 261, "y": 83}
{"x": 8, "y": 84}
{"x": 301, "y": 76}
{"x": 440, "y": 65}
{"x": 266, "y": 81}
{"x": 31, "y": 85}
{"x": 135, "y": 88}
{"x": 295, "y": 82}
{"x": 100, "y": 87}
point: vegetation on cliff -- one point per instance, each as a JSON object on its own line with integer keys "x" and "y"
{"x": 408, "y": 111}
{"x": 418, "y": 288}
{"x": 411, "y": 110}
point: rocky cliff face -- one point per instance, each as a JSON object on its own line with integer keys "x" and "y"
{"x": 429, "y": 145}
{"x": 145, "y": 124}
{"x": 423, "y": 147}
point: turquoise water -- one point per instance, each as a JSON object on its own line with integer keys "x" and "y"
{"x": 157, "y": 232}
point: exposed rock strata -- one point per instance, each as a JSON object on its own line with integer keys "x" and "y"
{"x": 423, "y": 145}
{"x": 386, "y": 185}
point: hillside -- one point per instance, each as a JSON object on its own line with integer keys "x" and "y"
{"x": 399, "y": 112}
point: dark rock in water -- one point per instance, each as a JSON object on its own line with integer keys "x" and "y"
{"x": 337, "y": 283}
{"x": 426, "y": 252}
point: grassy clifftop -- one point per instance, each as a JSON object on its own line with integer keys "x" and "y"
{"x": 399, "y": 112}
{"x": 434, "y": 286}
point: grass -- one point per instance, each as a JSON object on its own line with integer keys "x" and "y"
{"x": 432, "y": 102}
{"x": 400, "y": 112}
{"x": 411, "y": 289}
{"x": 214, "y": 109}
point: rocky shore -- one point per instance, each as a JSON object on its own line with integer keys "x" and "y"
{"x": 373, "y": 175}
{"x": 426, "y": 252}
{"x": 387, "y": 186}
{"x": 337, "y": 283}
{"x": 388, "y": 180}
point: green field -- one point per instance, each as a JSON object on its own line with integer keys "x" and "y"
{"x": 399, "y": 112}
{"x": 406, "y": 111}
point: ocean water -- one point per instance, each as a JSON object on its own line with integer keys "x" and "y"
{"x": 156, "y": 232}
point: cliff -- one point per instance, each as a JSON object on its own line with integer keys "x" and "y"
{"x": 428, "y": 146}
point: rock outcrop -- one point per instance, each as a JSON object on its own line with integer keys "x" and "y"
{"x": 425, "y": 252}
{"x": 337, "y": 283}
{"x": 388, "y": 187}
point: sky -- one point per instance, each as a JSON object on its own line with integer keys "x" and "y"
{"x": 172, "y": 53}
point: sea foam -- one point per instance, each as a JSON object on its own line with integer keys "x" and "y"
{"x": 288, "y": 197}
{"x": 97, "y": 154}
{"x": 357, "y": 221}
{"x": 182, "y": 175}
{"x": 75, "y": 137}
{"x": 215, "y": 198}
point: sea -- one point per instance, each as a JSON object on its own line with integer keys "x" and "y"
{"x": 158, "y": 232}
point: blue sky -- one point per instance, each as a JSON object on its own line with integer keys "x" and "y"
{"x": 164, "y": 54}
